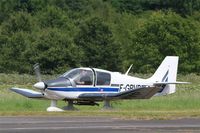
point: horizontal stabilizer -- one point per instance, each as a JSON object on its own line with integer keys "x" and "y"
{"x": 166, "y": 83}
{"x": 27, "y": 93}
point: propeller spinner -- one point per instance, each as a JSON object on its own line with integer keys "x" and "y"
{"x": 39, "y": 85}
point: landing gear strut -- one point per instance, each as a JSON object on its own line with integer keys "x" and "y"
{"x": 70, "y": 106}
{"x": 107, "y": 105}
{"x": 53, "y": 107}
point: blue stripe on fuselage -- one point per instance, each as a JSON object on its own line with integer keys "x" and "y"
{"x": 89, "y": 89}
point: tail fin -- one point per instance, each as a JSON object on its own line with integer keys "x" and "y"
{"x": 166, "y": 72}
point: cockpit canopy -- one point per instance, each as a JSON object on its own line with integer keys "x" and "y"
{"x": 80, "y": 76}
{"x": 88, "y": 76}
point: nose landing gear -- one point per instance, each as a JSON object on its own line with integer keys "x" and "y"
{"x": 53, "y": 107}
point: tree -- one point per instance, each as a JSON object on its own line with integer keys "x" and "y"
{"x": 14, "y": 39}
{"x": 54, "y": 50}
{"x": 162, "y": 35}
{"x": 20, "y": 21}
{"x": 96, "y": 40}
{"x": 110, "y": 34}
{"x": 183, "y": 7}
{"x": 52, "y": 16}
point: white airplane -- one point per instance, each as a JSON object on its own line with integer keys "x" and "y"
{"x": 86, "y": 86}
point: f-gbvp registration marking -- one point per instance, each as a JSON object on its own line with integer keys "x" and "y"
{"x": 130, "y": 86}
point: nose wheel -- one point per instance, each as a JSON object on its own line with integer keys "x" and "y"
{"x": 53, "y": 107}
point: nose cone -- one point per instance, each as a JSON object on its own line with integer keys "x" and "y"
{"x": 39, "y": 85}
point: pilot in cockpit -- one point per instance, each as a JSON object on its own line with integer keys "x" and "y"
{"x": 84, "y": 78}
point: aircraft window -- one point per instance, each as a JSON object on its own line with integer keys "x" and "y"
{"x": 103, "y": 78}
{"x": 71, "y": 73}
{"x": 80, "y": 76}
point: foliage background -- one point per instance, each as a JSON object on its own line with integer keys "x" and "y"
{"x": 108, "y": 34}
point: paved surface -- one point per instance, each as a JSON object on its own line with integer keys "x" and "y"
{"x": 95, "y": 124}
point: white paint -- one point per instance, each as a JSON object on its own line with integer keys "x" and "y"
{"x": 39, "y": 85}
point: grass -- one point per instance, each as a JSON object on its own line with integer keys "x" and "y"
{"x": 184, "y": 103}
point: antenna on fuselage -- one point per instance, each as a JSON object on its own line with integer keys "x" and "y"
{"x": 128, "y": 69}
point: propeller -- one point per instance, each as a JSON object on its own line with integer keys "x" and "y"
{"x": 36, "y": 68}
{"x": 39, "y": 85}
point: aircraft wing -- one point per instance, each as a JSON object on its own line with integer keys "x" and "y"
{"x": 139, "y": 93}
{"x": 27, "y": 93}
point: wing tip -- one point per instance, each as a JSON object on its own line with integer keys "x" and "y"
{"x": 27, "y": 92}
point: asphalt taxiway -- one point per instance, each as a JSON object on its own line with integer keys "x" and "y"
{"x": 95, "y": 124}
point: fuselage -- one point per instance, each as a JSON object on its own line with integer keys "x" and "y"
{"x": 96, "y": 81}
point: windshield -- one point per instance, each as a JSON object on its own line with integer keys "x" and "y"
{"x": 71, "y": 74}
{"x": 80, "y": 76}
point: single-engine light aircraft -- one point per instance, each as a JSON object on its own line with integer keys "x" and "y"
{"x": 87, "y": 86}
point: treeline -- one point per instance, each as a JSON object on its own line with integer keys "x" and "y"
{"x": 108, "y": 34}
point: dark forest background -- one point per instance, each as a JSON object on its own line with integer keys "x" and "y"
{"x": 107, "y": 34}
